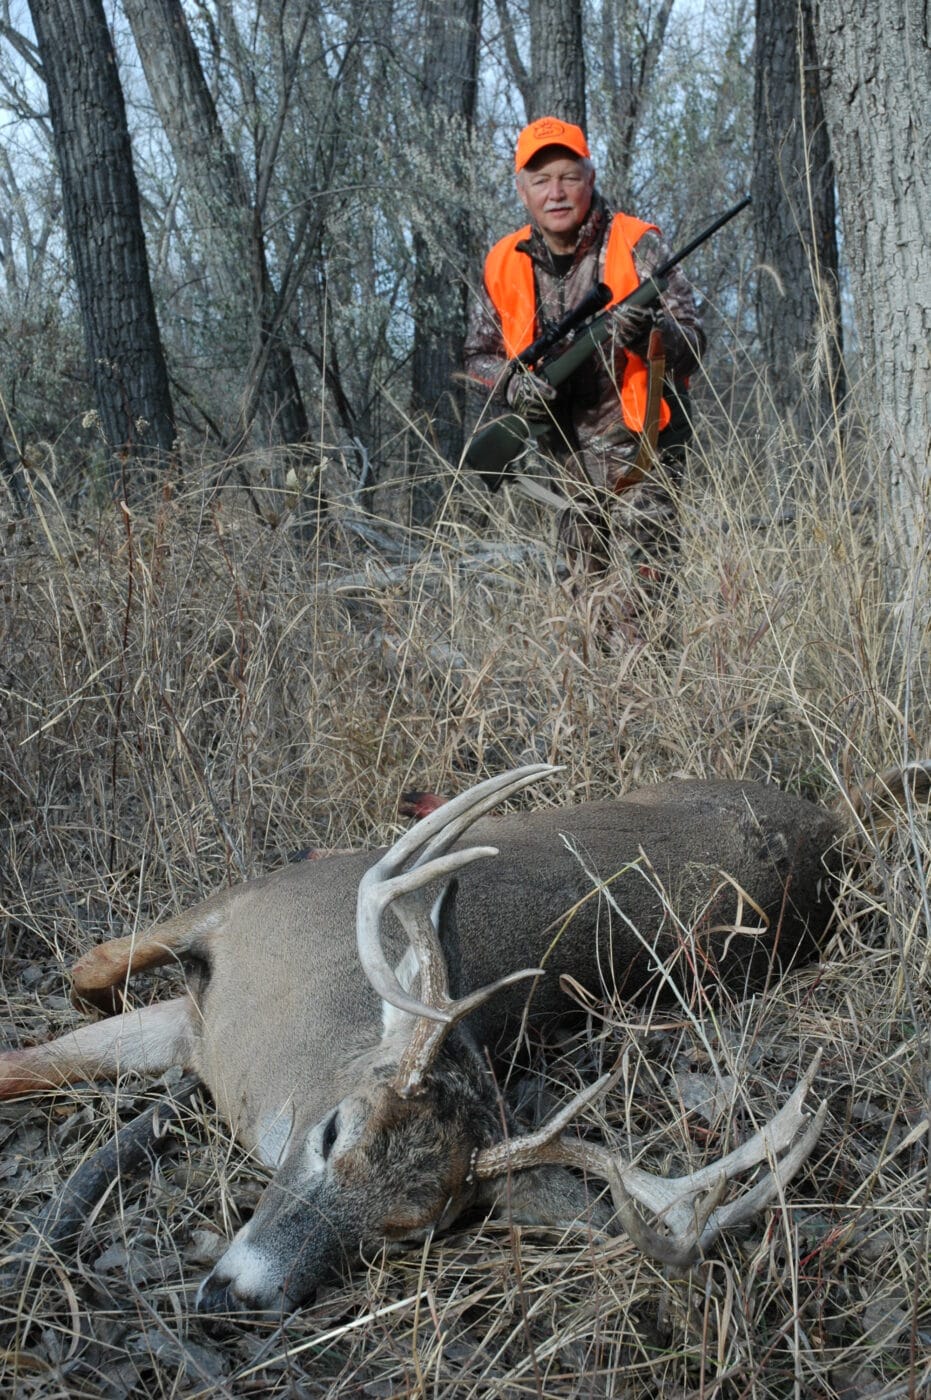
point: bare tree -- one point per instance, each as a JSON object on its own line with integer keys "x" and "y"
{"x": 631, "y": 41}
{"x": 876, "y": 88}
{"x": 553, "y": 84}
{"x": 449, "y": 83}
{"x": 557, "y": 60}
{"x": 795, "y": 220}
{"x": 104, "y": 226}
{"x": 228, "y": 219}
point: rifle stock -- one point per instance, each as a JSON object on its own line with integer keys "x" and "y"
{"x": 494, "y": 447}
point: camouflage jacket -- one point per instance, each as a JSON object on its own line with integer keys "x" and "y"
{"x": 587, "y": 409}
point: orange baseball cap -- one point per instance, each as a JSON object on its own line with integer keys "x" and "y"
{"x": 549, "y": 131}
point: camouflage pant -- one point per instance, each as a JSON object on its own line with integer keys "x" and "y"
{"x": 626, "y": 539}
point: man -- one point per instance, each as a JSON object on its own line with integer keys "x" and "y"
{"x": 595, "y": 420}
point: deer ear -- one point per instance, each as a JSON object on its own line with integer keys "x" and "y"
{"x": 548, "y": 1196}
{"x": 396, "y": 1023}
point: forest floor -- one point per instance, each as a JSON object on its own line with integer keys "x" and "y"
{"x": 195, "y": 688}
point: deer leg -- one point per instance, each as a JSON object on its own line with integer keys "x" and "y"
{"x": 148, "y": 1041}
{"x": 98, "y": 978}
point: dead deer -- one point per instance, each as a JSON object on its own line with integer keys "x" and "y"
{"x": 351, "y": 1053}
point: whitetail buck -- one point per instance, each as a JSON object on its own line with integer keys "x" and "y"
{"x": 350, "y": 1052}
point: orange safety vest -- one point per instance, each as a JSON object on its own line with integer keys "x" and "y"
{"x": 509, "y": 282}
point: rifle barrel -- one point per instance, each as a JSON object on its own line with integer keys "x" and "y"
{"x": 702, "y": 237}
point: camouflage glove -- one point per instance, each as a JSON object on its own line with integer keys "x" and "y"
{"x": 632, "y": 326}
{"x": 529, "y": 395}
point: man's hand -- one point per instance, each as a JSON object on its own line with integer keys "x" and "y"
{"x": 529, "y": 395}
{"x": 632, "y": 325}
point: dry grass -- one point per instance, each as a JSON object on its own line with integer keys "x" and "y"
{"x": 188, "y": 693}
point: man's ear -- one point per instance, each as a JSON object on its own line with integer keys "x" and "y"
{"x": 521, "y": 192}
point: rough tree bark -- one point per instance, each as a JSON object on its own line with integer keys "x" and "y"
{"x": 449, "y": 84}
{"x": 795, "y": 220}
{"x": 228, "y": 224}
{"x": 875, "y": 66}
{"x": 104, "y": 226}
{"x": 557, "y": 61}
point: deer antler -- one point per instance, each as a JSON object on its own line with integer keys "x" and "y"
{"x": 690, "y": 1206}
{"x": 387, "y": 882}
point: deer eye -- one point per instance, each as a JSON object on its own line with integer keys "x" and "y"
{"x": 330, "y": 1134}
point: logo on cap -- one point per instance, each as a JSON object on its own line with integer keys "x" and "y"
{"x": 547, "y": 129}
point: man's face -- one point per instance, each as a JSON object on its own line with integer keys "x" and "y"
{"x": 556, "y": 190}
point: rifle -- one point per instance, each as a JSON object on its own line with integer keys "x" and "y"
{"x": 491, "y": 451}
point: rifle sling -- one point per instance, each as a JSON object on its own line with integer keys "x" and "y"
{"x": 646, "y": 456}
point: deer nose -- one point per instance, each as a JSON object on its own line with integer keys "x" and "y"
{"x": 217, "y": 1297}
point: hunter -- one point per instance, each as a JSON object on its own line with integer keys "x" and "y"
{"x": 622, "y": 509}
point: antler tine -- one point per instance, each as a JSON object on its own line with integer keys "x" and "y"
{"x": 428, "y": 1034}
{"x": 437, "y": 832}
{"x": 746, "y": 1205}
{"x": 524, "y": 1151}
{"x": 672, "y": 1197}
{"x": 545, "y": 1146}
{"x": 374, "y": 897}
{"x": 689, "y": 1205}
{"x": 386, "y": 882}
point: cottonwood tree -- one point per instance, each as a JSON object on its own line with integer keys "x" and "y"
{"x": 33, "y": 337}
{"x": 795, "y": 221}
{"x": 104, "y": 227}
{"x": 557, "y": 61}
{"x": 631, "y": 35}
{"x": 553, "y": 84}
{"x": 875, "y": 66}
{"x": 442, "y": 242}
{"x": 228, "y": 221}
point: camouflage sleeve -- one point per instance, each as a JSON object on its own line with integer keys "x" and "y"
{"x": 484, "y": 353}
{"x": 683, "y": 333}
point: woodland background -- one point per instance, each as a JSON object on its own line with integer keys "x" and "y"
{"x": 257, "y": 226}
{"x": 246, "y": 601}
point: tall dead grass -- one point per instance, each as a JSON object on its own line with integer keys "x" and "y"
{"x": 189, "y": 691}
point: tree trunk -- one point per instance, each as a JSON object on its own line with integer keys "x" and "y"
{"x": 507, "y": 40}
{"x": 441, "y": 248}
{"x": 632, "y": 37}
{"x": 793, "y": 200}
{"x": 557, "y": 60}
{"x": 876, "y": 87}
{"x": 104, "y": 226}
{"x": 229, "y": 228}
